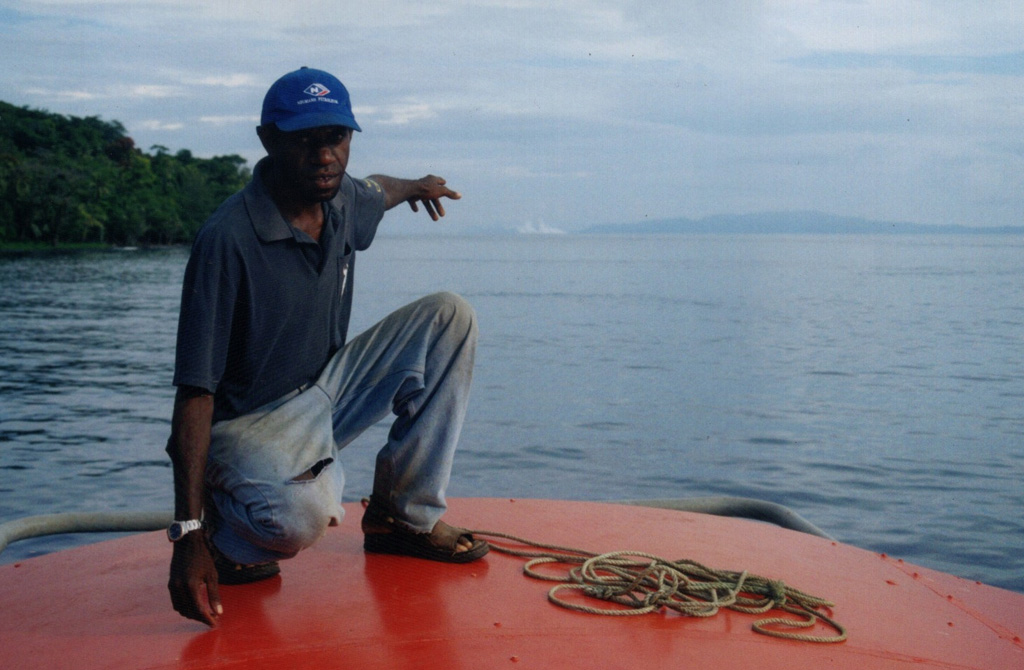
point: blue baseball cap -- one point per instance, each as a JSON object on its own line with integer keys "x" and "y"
{"x": 308, "y": 98}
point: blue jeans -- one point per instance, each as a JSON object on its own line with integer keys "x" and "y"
{"x": 273, "y": 474}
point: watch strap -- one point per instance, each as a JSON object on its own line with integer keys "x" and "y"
{"x": 179, "y": 529}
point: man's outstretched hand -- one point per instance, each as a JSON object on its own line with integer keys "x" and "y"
{"x": 193, "y": 583}
{"x": 429, "y": 190}
{"x": 432, "y": 189}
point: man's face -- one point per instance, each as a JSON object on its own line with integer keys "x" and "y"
{"x": 309, "y": 163}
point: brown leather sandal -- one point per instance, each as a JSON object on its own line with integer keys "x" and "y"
{"x": 383, "y": 535}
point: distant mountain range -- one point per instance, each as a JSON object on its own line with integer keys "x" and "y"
{"x": 794, "y": 223}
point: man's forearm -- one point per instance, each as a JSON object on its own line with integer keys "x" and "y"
{"x": 188, "y": 448}
{"x": 396, "y": 190}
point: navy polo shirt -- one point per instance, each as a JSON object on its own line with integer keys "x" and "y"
{"x": 264, "y": 306}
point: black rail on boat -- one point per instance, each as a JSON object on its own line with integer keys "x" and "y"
{"x": 743, "y": 508}
{"x": 136, "y": 522}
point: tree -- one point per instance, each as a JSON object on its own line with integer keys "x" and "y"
{"x": 83, "y": 179}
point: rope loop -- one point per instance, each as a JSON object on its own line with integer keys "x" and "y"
{"x": 640, "y": 583}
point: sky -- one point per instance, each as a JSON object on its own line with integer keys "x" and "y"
{"x": 553, "y": 116}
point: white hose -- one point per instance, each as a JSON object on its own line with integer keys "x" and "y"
{"x": 82, "y": 522}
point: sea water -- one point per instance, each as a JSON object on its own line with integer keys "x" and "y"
{"x": 873, "y": 384}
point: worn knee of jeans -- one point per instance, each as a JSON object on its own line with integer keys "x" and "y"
{"x": 277, "y": 519}
{"x": 304, "y": 516}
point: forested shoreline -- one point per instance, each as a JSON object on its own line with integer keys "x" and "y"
{"x": 67, "y": 180}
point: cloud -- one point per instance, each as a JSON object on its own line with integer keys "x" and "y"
{"x": 60, "y": 94}
{"x": 538, "y": 228}
{"x": 521, "y": 171}
{"x": 159, "y": 126}
{"x": 227, "y": 120}
{"x": 1003, "y": 64}
{"x": 397, "y": 114}
{"x": 584, "y": 111}
{"x": 947, "y": 27}
{"x": 136, "y": 92}
{"x": 157, "y": 91}
{"x": 234, "y": 80}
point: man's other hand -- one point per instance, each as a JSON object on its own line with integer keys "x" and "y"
{"x": 193, "y": 583}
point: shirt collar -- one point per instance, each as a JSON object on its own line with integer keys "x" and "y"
{"x": 266, "y": 219}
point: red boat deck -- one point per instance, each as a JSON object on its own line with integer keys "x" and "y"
{"x": 106, "y": 605}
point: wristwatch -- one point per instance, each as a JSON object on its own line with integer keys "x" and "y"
{"x": 179, "y": 529}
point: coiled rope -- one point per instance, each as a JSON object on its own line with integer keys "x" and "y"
{"x": 644, "y": 583}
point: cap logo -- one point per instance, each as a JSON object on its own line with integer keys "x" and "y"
{"x": 317, "y": 90}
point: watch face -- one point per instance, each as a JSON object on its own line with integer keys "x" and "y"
{"x": 175, "y": 532}
{"x": 179, "y": 529}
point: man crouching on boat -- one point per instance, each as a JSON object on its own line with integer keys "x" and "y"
{"x": 268, "y": 388}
